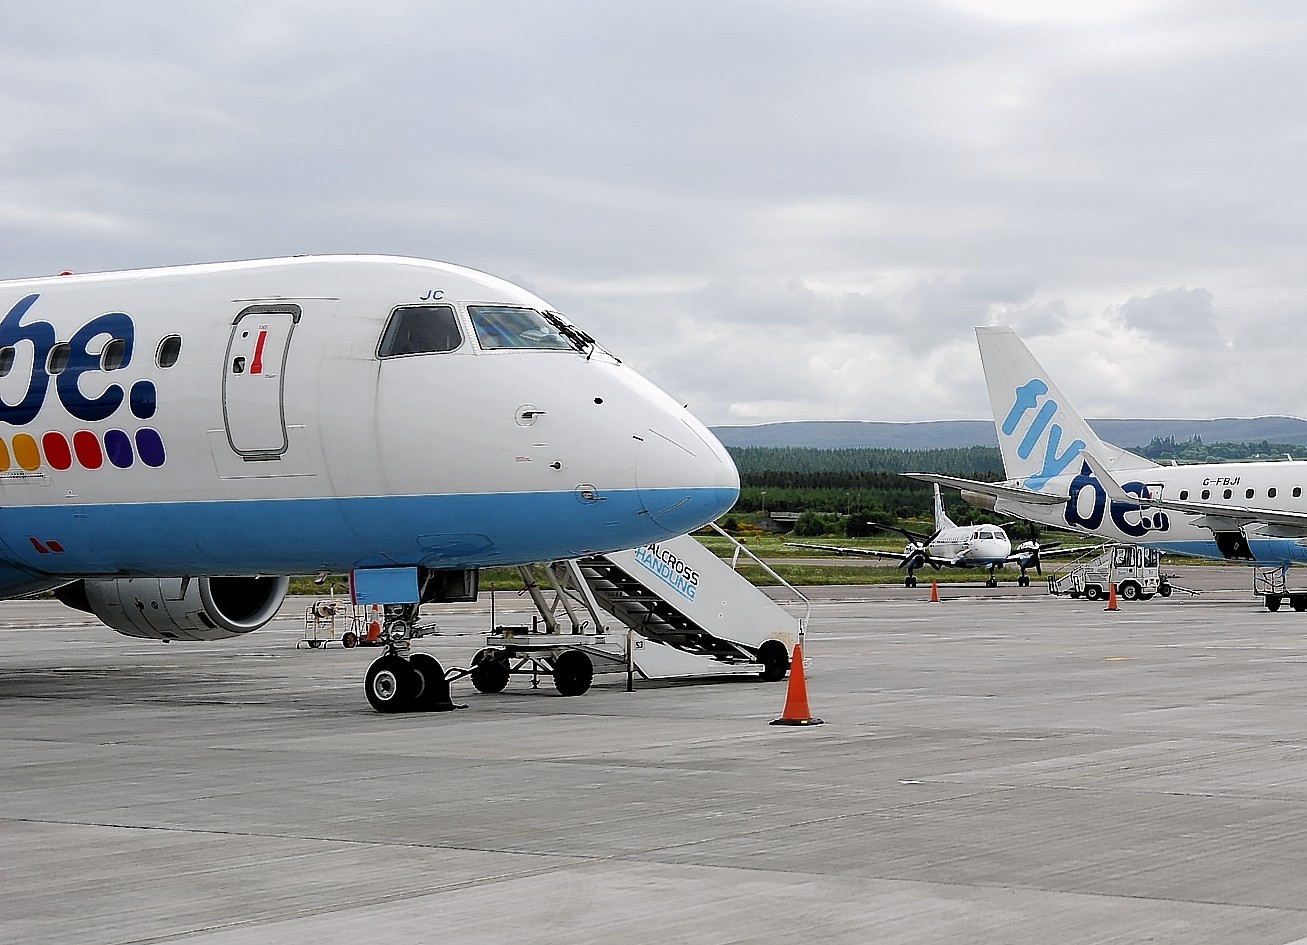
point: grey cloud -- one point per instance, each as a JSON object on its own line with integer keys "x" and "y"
{"x": 1185, "y": 317}
{"x": 817, "y": 201}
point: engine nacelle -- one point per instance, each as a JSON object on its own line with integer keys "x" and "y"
{"x": 197, "y": 608}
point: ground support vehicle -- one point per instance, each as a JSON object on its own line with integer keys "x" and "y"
{"x": 1135, "y": 570}
{"x": 672, "y": 609}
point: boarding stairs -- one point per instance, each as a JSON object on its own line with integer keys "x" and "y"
{"x": 672, "y": 609}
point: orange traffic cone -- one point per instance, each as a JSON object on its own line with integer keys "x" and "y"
{"x": 1111, "y": 596}
{"x": 796, "y": 697}
{"x": 934, "y": 592}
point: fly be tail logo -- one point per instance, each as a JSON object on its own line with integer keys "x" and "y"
{"x": 1054, "y": 463}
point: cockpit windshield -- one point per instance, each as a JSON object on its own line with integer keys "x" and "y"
{"x": 510, "y": 326}
{"x": 507, "y": 326}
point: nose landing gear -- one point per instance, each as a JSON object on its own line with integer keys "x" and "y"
{"x": 416, "y": 684}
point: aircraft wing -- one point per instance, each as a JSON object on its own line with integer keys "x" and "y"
{"x": 1018, "y": 554}
{"x": 838, "y": 550}
{"x": 996, "y": 489}
{"x": 1213, "y": 515}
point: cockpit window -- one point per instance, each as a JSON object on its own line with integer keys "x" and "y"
{"x": 508, "y": 326}
{"x": 420, "y": 329}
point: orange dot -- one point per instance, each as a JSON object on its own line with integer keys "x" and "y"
{"x": 26, "y": 452}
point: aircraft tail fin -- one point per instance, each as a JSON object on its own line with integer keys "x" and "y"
{"x": 1040, "y": 434}
{"x": 942, "y": 521}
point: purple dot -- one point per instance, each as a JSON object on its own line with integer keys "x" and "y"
{"x": 143, "y": 400}
{"x": 150, "y": 446}
{"x": 118, "y": 447}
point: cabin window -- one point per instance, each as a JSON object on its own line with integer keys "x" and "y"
{"x": 1184, "y": 494}
{"x": 1297, "y": 491}
{"x": 1227, "y": 493}
{"x": 7, "y": 356}
{"x": 58, "y": 359}
{"x": 114, "y": 354}
{"x": 507, "y": 326}
{"x": 1207, "y": 493}
{"x": 170, "y": 350}
{"x": 1271, "y": 492}
{"x": 420, "y": 329}
{"x": 1248, "y": 494}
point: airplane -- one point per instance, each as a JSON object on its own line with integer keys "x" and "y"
{"x": 1061, "y": 474}
{"x": 955, "y": 546}
{"x": 180, "y": 440}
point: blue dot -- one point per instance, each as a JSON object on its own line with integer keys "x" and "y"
{"x": 150, "y": 447}
{"x": 143, "y": 400}
{"x": 118, "y": 447}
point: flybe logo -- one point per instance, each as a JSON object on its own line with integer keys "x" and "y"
{"x": 103, "y": 345}
{"x": 1053, "y": 462}
{"x": 1087, "y": 504}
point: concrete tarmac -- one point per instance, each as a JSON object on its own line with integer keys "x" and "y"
{"x": 1001, "y": 767}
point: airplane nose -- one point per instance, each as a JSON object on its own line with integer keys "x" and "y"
{"x": 684, "y": 476}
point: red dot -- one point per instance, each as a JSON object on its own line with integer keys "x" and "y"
{"x": 55, "y": 447}
{"x": 87, "y": 446}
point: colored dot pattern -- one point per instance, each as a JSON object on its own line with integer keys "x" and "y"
{"x": 86, "y": 449}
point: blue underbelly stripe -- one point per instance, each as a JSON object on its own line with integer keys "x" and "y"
{"x": 299, "y": 536}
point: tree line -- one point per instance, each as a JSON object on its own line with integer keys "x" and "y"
{"x": 854, "y": 485}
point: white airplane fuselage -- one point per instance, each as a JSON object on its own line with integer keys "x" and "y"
{"x": 1089, "y": 510}
{"x": 282, "y": 441}
{"x": 971, "y": 546}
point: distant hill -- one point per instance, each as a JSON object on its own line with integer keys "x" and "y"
{"x": 945, "y": 434}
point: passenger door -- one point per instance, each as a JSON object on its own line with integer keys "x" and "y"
{"x": 254, "y": 383}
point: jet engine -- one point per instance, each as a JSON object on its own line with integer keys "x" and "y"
{"x": 192, "y": 608}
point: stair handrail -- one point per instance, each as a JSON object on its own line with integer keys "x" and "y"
{"x": 739, "y": 546}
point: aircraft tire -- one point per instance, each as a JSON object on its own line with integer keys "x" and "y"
{"x": 1023, "y": 581}
{"x": 489, "y": 674}
{"x": 775, "y": 659}
{"x": 573, "y": 673}
{"x": 1128, "y": 590}
{"x": 1273, "y": 602}
{"x": 1093, "y": 592}
{"x": 910, "y": 581}
{"x": 390, "y": 684}
{"x": 432, "y": 693}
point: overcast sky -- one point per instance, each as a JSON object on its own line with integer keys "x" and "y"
{"x": 776, "y": 210}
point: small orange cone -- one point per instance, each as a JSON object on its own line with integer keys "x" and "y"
{"x": 1111, "y": 596}
{"x": 934, "y": 592}
{"x": 796, "y": 697}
